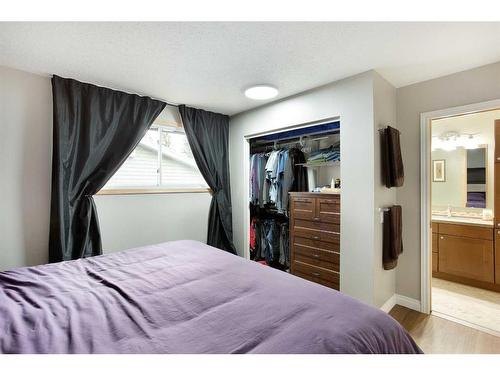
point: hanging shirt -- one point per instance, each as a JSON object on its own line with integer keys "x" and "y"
{"x": 271, "y": 173}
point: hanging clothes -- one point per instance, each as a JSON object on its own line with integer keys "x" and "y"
{"x": 299, "y": 172}
{"x": 259, "y": 189}
{"x": 274, "y": 175}
{"x": 271, "y": 242}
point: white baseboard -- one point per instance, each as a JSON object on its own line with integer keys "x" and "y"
{"x": 389, "y": 304}
{"x": 413, "y": 304}
{"x": 404, "y": 301}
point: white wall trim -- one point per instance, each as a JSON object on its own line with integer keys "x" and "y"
{"x": 389, "y": 304}
{"x": 404, "y": 301}
{"x": 408, "y": 302}
{"x": 425, "y": 190}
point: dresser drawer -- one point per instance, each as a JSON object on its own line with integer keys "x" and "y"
{"x": 320, "y": 245}
{"x": 328, "y": 210}
{"x": 316, "y": 257}
{"x": 329, "y": 284}
{"x": 316, "y": 274}
{"x": 469, "y": 231}
{"x": 303, "y": 208}
{"x": 317, "y": 225}
{"x": 313, "y": 234}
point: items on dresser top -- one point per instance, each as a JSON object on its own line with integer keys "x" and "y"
{"x": 315, "y": 237}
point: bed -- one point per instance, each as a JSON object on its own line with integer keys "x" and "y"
{"x": 183, "y": 297}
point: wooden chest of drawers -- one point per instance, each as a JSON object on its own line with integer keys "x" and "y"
{"x": 315, "y": 237}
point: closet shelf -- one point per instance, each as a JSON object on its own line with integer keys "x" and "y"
{"x": 324, "y": 164}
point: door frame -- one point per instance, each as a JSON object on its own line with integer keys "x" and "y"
{"x": 425, "y": 190}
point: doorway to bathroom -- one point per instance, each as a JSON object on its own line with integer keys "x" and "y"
{"x": 463, "y": 244}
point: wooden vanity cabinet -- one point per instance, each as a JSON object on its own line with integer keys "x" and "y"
{"x": 435, "y": 247}
{"x": 497, "y": 141}
{"x": 465, "y": 253}
{"x": 497, "y": 256}
{"x": 466, "y": 257}
{"x": 497, "y": 176}
{"x": 497, "y": 193}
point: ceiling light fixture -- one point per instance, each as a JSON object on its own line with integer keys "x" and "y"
{"x": 261, "y": 92}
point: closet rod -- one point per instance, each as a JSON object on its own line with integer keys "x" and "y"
{"x": 264, "y": 142}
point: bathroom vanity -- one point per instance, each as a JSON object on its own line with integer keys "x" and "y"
{"x": 463, "y": 250}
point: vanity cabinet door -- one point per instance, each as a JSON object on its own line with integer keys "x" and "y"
{"x": 466, "y": 257}
{"x": 497, "y": 192}
{"x": 497, "y": 256}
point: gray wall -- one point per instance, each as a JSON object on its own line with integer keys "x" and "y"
{"x": 134, "y": 220}
{"x": 384, "y": 100}
{"x": 25, "y": 170}
{"x": 25, "y": 159}
{"x": 472, "y": 86}
{"x": 453, "y": 191}
{"x": 352, "y": 100}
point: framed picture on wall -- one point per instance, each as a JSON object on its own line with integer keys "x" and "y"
{"x": 439, "y": 170}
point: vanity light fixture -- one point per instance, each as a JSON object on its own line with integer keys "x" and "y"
{"x": 449, "y": 141}
{"x": 261, "y": 92}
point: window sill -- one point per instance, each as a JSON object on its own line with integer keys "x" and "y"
{"x": 153, "y": 191}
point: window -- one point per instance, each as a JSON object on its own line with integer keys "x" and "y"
{"x": 161, "y": 162}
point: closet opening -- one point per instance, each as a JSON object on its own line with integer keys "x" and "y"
{"x": 294, "y": 201}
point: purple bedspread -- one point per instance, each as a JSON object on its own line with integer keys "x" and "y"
{"x": 183, "y": 297}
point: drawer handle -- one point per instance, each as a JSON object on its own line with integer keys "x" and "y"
{"x": 498, "y": 231}
{"x": 498, "y": 157}
{"x": 442, "y": 237}
{"x": 315, "y": 238}
{"x": 316, "y": 256}
{"x": 315, "y": 274}
{"x": 316, "y": 219}
{"x": 301, "y": 200}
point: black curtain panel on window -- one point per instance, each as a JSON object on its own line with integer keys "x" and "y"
{"x": 208, "y": 134}
{"x": 95, "y": 130}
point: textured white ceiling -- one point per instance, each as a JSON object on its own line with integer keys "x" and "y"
{"x": 207, "y": 65}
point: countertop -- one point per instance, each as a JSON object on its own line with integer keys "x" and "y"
{"x": 463, "y": 220}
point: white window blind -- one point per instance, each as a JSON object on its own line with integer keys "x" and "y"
{"x": 163, "y": 159}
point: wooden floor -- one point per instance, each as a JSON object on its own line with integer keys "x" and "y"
{"x": 438, "y": 335}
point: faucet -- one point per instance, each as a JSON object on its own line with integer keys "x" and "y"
{"x": 448, "y": 211}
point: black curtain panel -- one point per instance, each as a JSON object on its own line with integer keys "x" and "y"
{"x": 95, "y": 130}
{"x": 208, "y": 134}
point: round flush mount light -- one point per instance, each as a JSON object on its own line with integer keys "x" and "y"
{"x": 261, "y": 92}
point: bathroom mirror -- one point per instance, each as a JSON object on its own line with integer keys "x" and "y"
{"x": 476, "y": 178}
{"x": 460, "y": 178}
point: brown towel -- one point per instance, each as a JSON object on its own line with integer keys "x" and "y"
{"x": 393, "y": 237}
{"x": 392, "y": 166}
